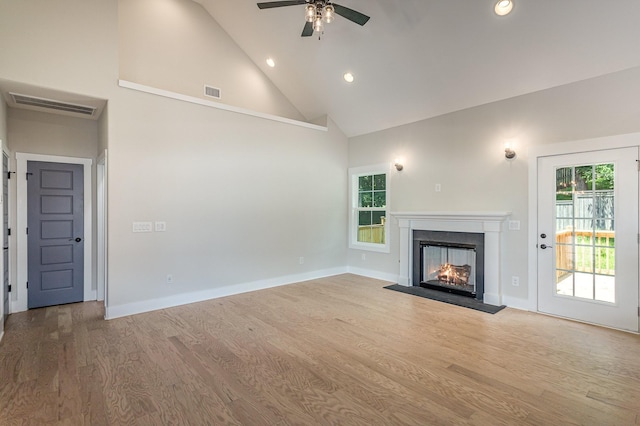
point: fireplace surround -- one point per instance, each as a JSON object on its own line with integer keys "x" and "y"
{"x": 488, "y": 224}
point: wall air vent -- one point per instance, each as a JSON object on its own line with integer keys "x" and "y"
{"x": 52, "y": 104}
{"x": 212, "y": 92}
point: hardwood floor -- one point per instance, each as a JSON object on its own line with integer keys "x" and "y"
{"x": 340, "y": 350}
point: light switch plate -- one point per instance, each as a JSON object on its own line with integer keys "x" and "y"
{"x": 142, "y": 227}
{"x": 161, "y": 226}
{"x": 514, "y": 225}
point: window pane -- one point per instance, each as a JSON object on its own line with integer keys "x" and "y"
{"x": 378, "y": 218}
{"x": 364, "y": 218}
{"x": 564, "y": 257}
{"x": 380, "y": 199}
{"x": 366, "y": 199}
{"x": 564, "y": 179}
{"x": 379, "y": 182}
{"x": 584, "y": 259}
{"x": 365, "y": 183}
{"x": 565, "y": 236}
{"x": 605, "y": 261}
{"x": 603, "y": 202}
{"x": 604, "y": 177}
{"x": 584, "y": 178}
{"x": 584, "y": 205}
{"x": 564, "y": 283}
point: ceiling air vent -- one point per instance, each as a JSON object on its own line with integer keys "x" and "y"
{"x": 212, "y": 92}
{"x": 51, "y": 104}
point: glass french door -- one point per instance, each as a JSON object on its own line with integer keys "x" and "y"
{"x": 588, "y": 237}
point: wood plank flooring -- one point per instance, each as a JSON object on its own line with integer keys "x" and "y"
{"x": 335, "y": 351}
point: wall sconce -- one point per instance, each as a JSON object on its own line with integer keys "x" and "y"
{"x": 509, "y": 153}
{"x": 398, "y": 164}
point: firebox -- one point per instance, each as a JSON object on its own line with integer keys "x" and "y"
{"x": 449, "y": 261}
{"x": 450, "y": 266}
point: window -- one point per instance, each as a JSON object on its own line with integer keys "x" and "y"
{"x": 369, "y": 206}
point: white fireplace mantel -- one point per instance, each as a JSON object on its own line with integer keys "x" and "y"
{"x": 487, "y": 223}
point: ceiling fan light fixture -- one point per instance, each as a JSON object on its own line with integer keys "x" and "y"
{"x": 310, "y": 12}
{"x": 271, "y": 62}
{"x": 348, "y": 77}
{"x": 317, "y": 24}
{"x": 503, "y": 7}
{"x": 328, "y": 13}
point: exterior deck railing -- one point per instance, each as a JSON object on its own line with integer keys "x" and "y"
{"x": 584, "y": 259}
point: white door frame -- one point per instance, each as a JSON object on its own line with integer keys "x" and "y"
{"x": 586, "y": 145}
{"x": 101, "y": 189}
{"x": 2, "y": 201}
{"x": 20, "y": 303}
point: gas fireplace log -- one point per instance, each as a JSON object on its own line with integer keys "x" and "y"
{"x": 454, "y": 274}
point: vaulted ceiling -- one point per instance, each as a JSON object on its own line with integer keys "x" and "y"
{"x": 417, "y": 59}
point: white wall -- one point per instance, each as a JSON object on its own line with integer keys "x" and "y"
{"x": 464, "y": 152}
{"x": 177, "y": 46}
{"x": 243, "y": 197}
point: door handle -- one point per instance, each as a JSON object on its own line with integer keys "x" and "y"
{"x": 77, "y": 240}
{"x": 544, "y": 246}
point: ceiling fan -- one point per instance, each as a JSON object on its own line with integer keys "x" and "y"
{"x": 318, "y": 12}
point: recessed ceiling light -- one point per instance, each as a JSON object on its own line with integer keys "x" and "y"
{"x": 503, "y": 7}
{"x": 271, "y": 62}
{"x": 348, "y": 77}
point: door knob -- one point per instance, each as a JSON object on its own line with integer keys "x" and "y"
{"x": 544, "y": 246}
{"x": 77, "y": 240}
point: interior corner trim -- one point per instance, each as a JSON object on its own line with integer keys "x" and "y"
{"x": 191, "y": 99}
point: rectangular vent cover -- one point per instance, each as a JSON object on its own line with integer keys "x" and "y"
{"x": 212, "y": 92}
{"x": 52, "y": 104}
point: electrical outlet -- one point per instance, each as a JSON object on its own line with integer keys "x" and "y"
{"x": 160, "y": 226}
{"x": 301, "y": 260}
{"x": 169, "y": 279}
{"x": 514, "y": 225}
{"x": 515, "y": 281}
{"x": 438, "y": 187}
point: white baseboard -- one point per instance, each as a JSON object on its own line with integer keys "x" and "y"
{"x": 1, "y": 335}
{"x": 491, "y": 299}
{"x": 118, "y": 311}
{"x": 516, "y": 303}
{"x": 369, "y": 273}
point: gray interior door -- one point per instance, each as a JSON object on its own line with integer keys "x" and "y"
{"x": 55, "y": 233}
{"x": 5, "y": 232}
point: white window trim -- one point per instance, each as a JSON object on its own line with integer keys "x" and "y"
{"x": 354, "y": 172}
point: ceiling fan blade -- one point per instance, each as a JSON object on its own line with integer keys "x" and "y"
{"x": 271, "y": 4}
{"x": 350, "y": 14}
{"x": 308, "y": 30}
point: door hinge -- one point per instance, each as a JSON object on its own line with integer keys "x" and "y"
{"x": 9, "y": 175}
{"x": 9, "y": 288}
{"x": 28, "y": 174}
{"x": 8, "y": 231}
{"x": 27, "y": 230}
{"x": 27, "y": 284}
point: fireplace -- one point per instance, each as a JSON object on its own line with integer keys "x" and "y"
{"x": 449, "y": 261}
{"x": 488, "y": 225}
{"x": 450, "y": 267}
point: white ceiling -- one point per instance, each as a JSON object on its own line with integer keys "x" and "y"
{"x": 417, "y": 59}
